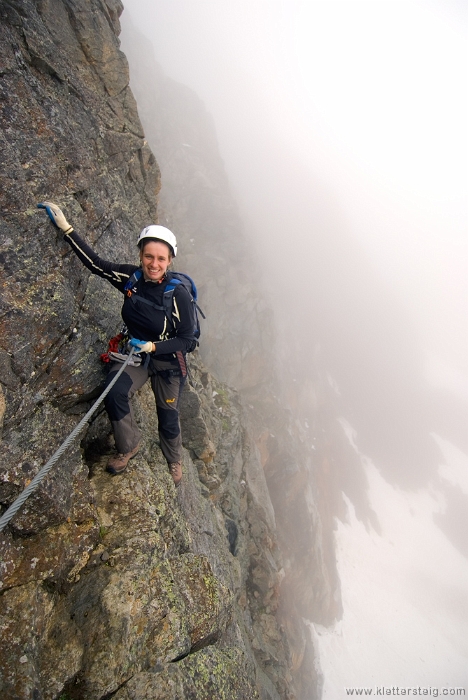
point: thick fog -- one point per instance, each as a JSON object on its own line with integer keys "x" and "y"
{"x": 343, "y": 127}
{"x": 343, "y": 130}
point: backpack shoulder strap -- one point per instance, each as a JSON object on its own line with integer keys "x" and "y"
{"x": 189, "y": 285}
{"x": 168, "y": 297}
{"x": 133, "y": 279}
{"x": 171, "y": 285}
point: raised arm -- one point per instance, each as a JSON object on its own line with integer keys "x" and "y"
{"x": 115, "y": 273}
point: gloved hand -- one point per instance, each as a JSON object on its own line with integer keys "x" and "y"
{"x": 56, "y": 216}
{"x": 141, "y": 345}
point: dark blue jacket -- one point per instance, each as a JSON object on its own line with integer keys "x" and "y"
{"x": 142, "y": 320}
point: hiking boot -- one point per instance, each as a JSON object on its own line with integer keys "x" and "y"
{"x": 176, "y": 472}
{"x": 118, "y": 464}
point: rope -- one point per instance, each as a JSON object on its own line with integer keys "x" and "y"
{"x": 31, "y": 487}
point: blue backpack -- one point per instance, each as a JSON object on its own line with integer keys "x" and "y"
{"x": 175, "y": 279}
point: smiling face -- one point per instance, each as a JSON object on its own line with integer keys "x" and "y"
{"x": 155, "y": 258}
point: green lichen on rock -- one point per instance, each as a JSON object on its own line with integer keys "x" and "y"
{"x": 119, "y": 585}
{"x": 210, "y": 673}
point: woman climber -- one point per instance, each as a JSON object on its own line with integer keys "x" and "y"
{"x": 166, "y": 339}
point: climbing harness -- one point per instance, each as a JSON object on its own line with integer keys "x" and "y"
{"x": 117, "y": 350}
{"x": 30, "y": 488}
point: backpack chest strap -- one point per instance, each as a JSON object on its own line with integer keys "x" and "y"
{"x": 136, "y": 297}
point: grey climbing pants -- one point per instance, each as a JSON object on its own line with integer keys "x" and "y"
{"x": 166, "y": 389}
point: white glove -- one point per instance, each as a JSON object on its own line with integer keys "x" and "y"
{"x": 142, "y": 345}
{"x": 56, "y": 216}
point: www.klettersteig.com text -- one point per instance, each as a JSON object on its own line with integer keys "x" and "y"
{"x": 407, "y": 691}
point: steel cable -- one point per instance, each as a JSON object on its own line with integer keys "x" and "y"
{"x": 32, "y": 486}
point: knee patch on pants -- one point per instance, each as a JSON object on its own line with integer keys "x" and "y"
{"x": 169, "y": 425}
{"x": 117, "y": 401}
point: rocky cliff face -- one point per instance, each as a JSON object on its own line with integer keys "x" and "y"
{"x": 300, "y": 444}
{"x": 122, "y": 587}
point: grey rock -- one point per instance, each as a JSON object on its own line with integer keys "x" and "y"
{"x": 124, "y": 585}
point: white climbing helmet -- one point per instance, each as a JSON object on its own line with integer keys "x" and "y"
{"x": 162, "y": 234}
